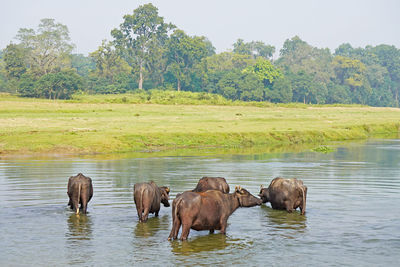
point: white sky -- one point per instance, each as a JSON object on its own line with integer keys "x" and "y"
{"x": 321, "y": 23}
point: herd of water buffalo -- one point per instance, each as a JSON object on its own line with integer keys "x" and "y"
{"x": 207, "y": 207}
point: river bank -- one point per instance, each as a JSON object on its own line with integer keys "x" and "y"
{"x": 37, "y": 126}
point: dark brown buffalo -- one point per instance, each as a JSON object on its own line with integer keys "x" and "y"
{"x": 212, "y": 183}
{"x": 285, "y": 194}
{"x": 148, "y": 197}
{"x": 208, "y": 210}
{"x": 80, "y": 190}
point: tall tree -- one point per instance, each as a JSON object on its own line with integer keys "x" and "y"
{"x": 238, "y": 85}
{"x": 14, "y": 61}
{"x": 254, "y": 49}
{"x": 352, "y": 72}
{"x": 139, "y": 37}
{"x": 389, "y": 57}
{"x": 301, "y": 85}
{"x": 213, "y": 68}
{"x": 265, "y": 71}
{"x": 296, "y": 55}
{"x": 83, "y": 64}
{"x": 108, "y": 63}
{"x": 349, "y": 71}
{"x": 48, "y": 47}
{"x": 183, "y": 53}
{"x": 281, "y": 91}
{"x": 3, "y": 84}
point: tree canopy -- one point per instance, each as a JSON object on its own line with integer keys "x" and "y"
{"x": 146, "y": 52}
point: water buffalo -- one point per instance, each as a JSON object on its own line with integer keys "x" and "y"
{"x": 80, "y": 190}
{"x": 148, "y": 197}
{"x": 285, "y": 194}
{"x": 212, "y": 183}
{"x": 208, "y": 210}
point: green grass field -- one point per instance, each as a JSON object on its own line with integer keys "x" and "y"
{"x": 95, "y": 124}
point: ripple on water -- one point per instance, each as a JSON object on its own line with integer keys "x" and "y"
{"x": 351, "y": 217}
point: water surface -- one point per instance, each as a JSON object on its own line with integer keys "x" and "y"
{"x": 352, "y": 216}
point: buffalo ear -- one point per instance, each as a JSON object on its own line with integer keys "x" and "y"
{"x": 167, "y": 190}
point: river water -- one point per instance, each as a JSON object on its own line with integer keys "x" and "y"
{"x": 352, "y": 217}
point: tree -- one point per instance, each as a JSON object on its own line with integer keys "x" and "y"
{"x": 83, "y": 64}
{"x": 318, "y": 92}
{"x": 139, "y": 37}
{"x": 213, "y": 68}
{"x": 254, "y": 49}
{"x": 264, "y": 71}
{"x": 349, "y": 71}
{"x": 338, "y": 94}
{"x": 295, "y": 49}
{"x": 14, "y": 61}
{"x": 228, "y": 85}
{"x": 183, "y": 53}
{"x": 251, "y": 88}
{"x": 281, "y": 91}
{"x": 238, "y": 85}
{"x": 240, "y": 47}
{"x": 301, "y": 84}
{"x": 108, "y": 63}
{"x": 60, "y": 85}
{"x": 296, "y": 55}
{"x": 27, "y": 85}
{"x": 3, "y": 84}
{"x": 389, "y": 57}
{"x": 48, "y": 47}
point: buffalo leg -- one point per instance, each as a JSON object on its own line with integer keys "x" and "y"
{"x": 75, "y": 205}
{"x": 146, "y": 206}
{"x": 145, "y": 214}
{"x": 223, "y": 228}
{"x": 139, "y": 212}
{"x": 289, "y": 206}
{"x": 70, "y": 204}
{"x": 211, "y": 231}
{"x": 84, "y": 206}
{"x": 176, "y": 224}
{"x": 185, "y": 231}
{"x": 224, "y": 224}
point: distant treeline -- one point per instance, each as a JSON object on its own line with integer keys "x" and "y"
{"x": 148, "y": 53}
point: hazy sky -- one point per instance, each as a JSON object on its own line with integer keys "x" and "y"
{"x": 321, "y": 23}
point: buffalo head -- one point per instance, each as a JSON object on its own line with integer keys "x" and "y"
{"x": 264, "y": 194}
{"x": 245, "y": 198}
{"x": 165, "y": 195}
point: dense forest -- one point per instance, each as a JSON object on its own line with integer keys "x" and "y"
{"x": 145, "y": 52}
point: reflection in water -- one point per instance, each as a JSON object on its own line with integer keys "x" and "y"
{"x": 79, "y": 226}
{"x": 149, "y": 228}
{"x": 289, "y": 224}
{"x": 209, "y": 242}
{"x": 339, "y": 227}
{"x": 79, "y": 239}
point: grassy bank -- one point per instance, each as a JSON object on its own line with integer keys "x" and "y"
{"x": 94, "y": 124}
